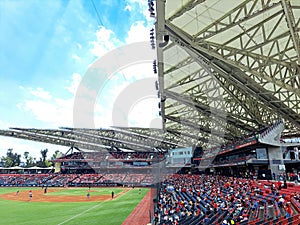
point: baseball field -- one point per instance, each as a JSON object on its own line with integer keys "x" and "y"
{"x": 68, "y": 206}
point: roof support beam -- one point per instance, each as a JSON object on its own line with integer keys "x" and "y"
{"x": 290, "y": 19}
{"x": 235, "y": 74}
{"x": 208, "y": 111}
{"x": 184, "y": 8}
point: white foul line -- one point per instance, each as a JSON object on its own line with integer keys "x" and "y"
{"x": 73, "y": 217}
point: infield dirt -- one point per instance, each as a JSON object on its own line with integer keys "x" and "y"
{"x": 40, "y": 196}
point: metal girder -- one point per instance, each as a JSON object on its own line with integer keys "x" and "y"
{"x": 290, "y": 19}
{"x": 255, "y": 64}
{"x": 51, "y": 140}
{"x": 158, "y": 136}
{"x": 112, "y": 141}
{"x": 250, "y": 52}
{"x": 236, "y": 62}
{"x": 245, "y": 81}
{"x": 184, "y": 8}
{"x": 108, "y": 137}
{"x": 198, "y": 90}
{"x": 243, "y": 106}
{"x": 179, "y": 65}
{"x": 208, "y": 111}
{"x": 166, "y": 140}
{"x": 222, "y": 54}
{"x": 201, "y": 128}
{"x": 84, "y": 137}
{"x": 241, "y": 13}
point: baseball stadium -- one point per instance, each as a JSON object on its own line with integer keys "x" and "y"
{"x": 227, "y": 76}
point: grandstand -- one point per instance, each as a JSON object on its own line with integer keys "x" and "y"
{"x": 228, "y": 83}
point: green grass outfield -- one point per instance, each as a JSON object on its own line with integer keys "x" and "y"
{"x": 111, "y": 212}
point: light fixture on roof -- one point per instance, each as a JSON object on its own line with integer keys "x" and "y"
{"x": 154, "y": 67}
{"x": 151, "y": 8}
{"x": 152, "y": 38}
{"x": 156, "y": 85}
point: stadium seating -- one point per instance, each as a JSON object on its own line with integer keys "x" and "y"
{"x": 194, "y": 197}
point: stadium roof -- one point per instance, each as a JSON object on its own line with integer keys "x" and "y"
{"x": 123, "y": 139}
{"x": 225, "y": 69}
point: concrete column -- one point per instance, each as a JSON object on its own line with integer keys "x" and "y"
{"x": 275, "y": 159}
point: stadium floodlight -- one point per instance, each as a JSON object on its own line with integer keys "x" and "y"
{"x": 152, "y": 42}
{"x": 154, "y": 66}
{"x": 156, "y": 85}
{"x": 151, "y": 8}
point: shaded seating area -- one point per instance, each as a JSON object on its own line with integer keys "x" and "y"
{"x": 204, "y": 199}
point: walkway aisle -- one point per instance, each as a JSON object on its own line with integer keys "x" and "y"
{"x": 140, "y": 215}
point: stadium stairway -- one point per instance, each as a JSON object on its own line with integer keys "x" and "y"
{"x": 282, "y": 211}
{"x": 272, "y": 135}
{"x": 251, "y": 215}
{"x": 261, "y": 212}
{"x": 271, "y": 212}
{"x": 295, "y": 205}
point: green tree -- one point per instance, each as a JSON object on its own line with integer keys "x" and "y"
{"x": 44, "y": 156}
{"x": 30, "y": 162}
{"x": 11, "y": 159}
{"x": 26, "y": 157}
{"x": 48, "y": 163}
{"x": 56, "y": 155}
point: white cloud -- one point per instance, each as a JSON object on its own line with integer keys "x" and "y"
{"x": 58, "y": 111}
{"x": 52, "y": 111}
{"x": 128, "y": 8}
{"x": 138, "y": 32}
{"x": 79, "y": 46}
{"x": 73, "y": 85}
{"x": 76, "y": 57}
{"x": 40, "y": 93}
{"x": 141, "y": 6}
{"x": 138, "y": 71}
{"x": 139, "y": 117}
{"x": 106, "y": 41}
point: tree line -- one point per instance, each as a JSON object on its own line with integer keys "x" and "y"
{"x": 14, "y": 159}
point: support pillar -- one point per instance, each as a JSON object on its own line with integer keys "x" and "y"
{"x": 275, "y": 159}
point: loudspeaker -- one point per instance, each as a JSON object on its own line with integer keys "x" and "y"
{"x": 166, "y": 38}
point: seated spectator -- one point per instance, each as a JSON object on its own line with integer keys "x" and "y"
{"x": 206, "y": 219}
{"x": 288, "y": 211}
{"x": 281, "y": 201}
{"x": 224, "y": 222}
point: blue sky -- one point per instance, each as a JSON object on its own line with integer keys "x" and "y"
{"x": 47, "y": 47}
